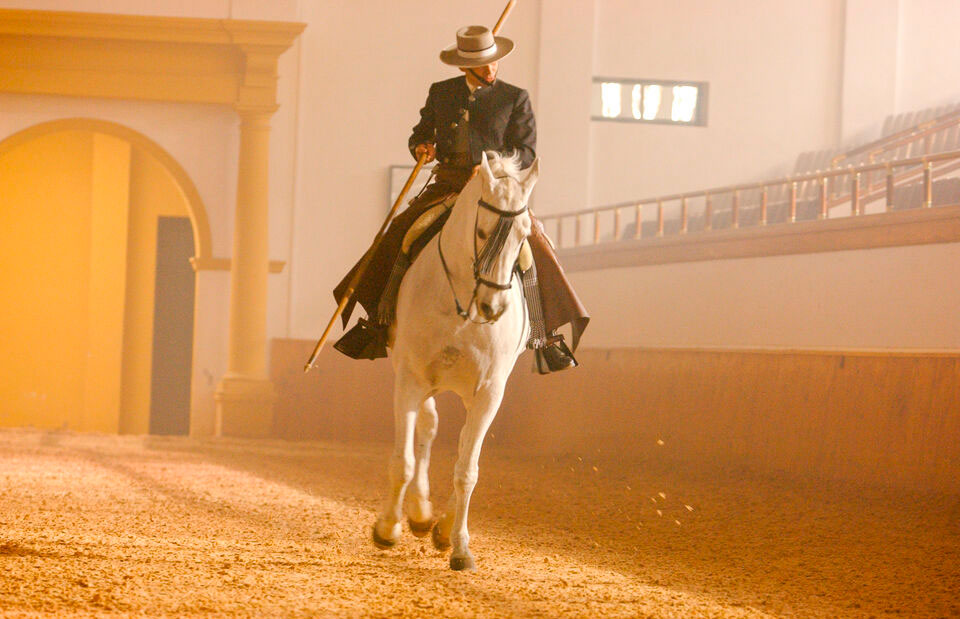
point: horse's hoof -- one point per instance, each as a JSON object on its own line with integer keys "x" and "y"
{"x": 439, "y": 542}
{"x": 459, "y": 564}
{"x": 381, "y": 542}
{"x": 420, "y": 529}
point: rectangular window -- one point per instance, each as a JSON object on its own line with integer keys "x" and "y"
{"x": 649, "y": 101}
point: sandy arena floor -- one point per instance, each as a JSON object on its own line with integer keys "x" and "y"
{"x": 105, "y": 525}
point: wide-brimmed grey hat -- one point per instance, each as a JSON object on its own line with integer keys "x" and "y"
{"x": 476, "y": 46}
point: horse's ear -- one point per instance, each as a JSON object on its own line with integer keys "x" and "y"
{"x": 486, "y": 174}
{"x": 533, "y": 173}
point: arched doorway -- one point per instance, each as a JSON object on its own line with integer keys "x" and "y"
{"x": 97, "y": 224}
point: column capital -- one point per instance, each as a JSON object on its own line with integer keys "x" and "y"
{"x": 258, "y": 84}
{"x": 252, "y": 113}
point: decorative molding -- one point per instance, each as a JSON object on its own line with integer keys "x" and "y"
{"x": 186, "y": 60}
{"x": 198, "y": 212}
{"x": 223, "y": 264}
{"x": 910, "y": 227}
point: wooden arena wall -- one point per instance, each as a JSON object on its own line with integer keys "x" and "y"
{"x": 872, "y": 417}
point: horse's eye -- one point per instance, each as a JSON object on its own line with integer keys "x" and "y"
{"x": 481, "y": 234}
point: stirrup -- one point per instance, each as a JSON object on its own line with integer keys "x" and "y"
{"x": 554, "y": 356}
{"x": 366, "y": 340}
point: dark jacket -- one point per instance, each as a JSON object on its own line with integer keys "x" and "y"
{"x": 500, "y": 119}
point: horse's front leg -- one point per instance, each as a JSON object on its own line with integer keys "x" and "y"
{"x": 480, "y": 415}
{"x": 407, "y": 397}
{"x": 419, "y": 508}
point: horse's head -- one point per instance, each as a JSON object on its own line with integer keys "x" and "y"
{"x": 502, "y": 224}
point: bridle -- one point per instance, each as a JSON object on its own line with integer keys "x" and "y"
{"x": 478, "y": 278}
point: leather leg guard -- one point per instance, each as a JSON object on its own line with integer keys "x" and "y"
{"x": 531, "y": 290}
{"x": 387, "y": 309}
{"x": 551, "y": 354}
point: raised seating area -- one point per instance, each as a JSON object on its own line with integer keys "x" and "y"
{"x": 920, "y": 171}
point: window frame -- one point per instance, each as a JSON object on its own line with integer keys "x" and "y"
{"x": 699, "y": 119}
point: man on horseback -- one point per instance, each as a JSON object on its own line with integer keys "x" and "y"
{"x": 462, "y": 118}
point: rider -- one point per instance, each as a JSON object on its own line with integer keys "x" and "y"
{"x": 463, "y": 117}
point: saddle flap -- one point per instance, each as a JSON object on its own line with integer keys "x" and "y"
{"x": 525, "y": 261}
{"x": 424, "y": 222}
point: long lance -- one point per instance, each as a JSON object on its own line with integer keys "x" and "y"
{"x": 365, "y": 262}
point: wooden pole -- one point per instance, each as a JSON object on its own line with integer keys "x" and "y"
{"x": 503, "y": 16}
{"x": 361, "y": 269}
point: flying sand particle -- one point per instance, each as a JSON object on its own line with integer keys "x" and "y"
{"x": 660, "y": 513}
{"x": 689, "y": 508}
{"x": 663, "y": 495}
{"x": 660, "y": 442}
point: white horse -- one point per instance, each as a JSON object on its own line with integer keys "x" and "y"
{"x": 461, "y": 323}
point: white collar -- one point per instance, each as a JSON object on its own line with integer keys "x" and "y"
{"x": 471, "y": 86}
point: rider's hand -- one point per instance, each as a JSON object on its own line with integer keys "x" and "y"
{"x": 427, "y": 148}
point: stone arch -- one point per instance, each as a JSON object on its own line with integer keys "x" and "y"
{"x": 195, "y": 208}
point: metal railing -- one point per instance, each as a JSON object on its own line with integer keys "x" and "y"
{"x": 859, "y": 195}
{"x": 925, "y": 131}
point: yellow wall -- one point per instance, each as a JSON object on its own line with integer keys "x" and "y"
{"x": 78, "y": 213}
{"x": 153, "y": 193}
{"x": 109, "y": 187}
{"x": 44, "y": 278}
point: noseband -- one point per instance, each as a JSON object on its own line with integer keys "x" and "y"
{"x": 478, "y": 278}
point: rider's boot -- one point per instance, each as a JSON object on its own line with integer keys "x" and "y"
{"x": 368, "y": 338}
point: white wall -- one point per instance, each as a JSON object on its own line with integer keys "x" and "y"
{"x": 773, "y": 70}
{"x": 899, "y": 298}
{"x": 928, "y": 67}
{"x": 870, "y": 58}
{"x": 563, "y": 109}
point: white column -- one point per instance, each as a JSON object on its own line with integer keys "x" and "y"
{"x": 245, "y": 395}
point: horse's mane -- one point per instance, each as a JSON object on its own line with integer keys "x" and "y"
{"x": 504, "y": 165}
{"x": 501, "y": 166}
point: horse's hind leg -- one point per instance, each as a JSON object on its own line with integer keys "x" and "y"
{"x": 419, "y": 508}
{"x": 480, "y": 415}
{"x": 407, "y": 398}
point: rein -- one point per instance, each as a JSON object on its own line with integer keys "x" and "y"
{"x": 495, "y": 243}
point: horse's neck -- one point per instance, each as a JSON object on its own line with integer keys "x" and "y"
{"x": 458, "y": 233}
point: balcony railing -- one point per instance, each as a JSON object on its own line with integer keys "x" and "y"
{"x": 782, "y": 201}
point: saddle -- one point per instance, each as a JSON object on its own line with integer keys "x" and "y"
{"x": 426, "y": 222}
